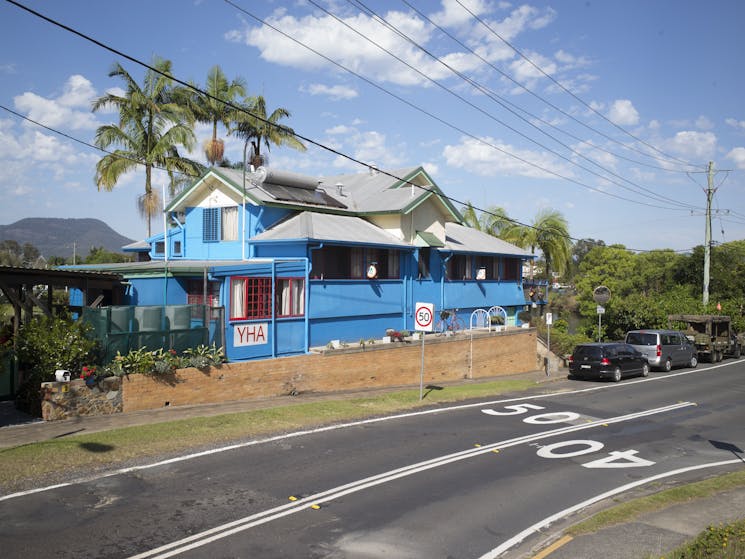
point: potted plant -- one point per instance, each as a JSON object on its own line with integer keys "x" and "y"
{"x": 88, "y": 374}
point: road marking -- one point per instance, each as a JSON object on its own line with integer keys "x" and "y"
{"x": 553, "y": 547}
{"x": 513, "y": 541}
{"x": 345, "y": 426}
{"x": 219, "y": 532}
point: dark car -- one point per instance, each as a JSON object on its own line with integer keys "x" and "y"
{"x": 607, "y": 360}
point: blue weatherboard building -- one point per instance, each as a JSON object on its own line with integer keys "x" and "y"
{"x": 296, "y": 261}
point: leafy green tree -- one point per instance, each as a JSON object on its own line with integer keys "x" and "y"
{"x": 151, "y": 127}
{"x": 11, "y": 253}
{"x": 99, "y": 255}
{"x": 216, "y": 108}
{"x": 258, "y": 128}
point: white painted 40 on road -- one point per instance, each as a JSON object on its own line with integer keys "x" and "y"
{"x": 225, "y": 530}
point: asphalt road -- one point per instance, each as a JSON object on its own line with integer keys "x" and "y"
{"x": 466, "y": 481}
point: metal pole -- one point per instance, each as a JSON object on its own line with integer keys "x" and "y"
{"x": 421, "y": 373}
{"x": 707, "y": 235}
{"x": 600, "y": 325}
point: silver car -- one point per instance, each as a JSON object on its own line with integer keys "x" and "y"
{"x": 664, "y": 349}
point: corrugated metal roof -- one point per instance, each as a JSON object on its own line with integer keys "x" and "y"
{"x": 329, "y": 227}
{"x": 459, "y": 238}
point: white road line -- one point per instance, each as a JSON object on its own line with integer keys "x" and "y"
{"x": 345, "y": 426}
{"x": 512, "y": 542}
{"x": 219, "y": 532}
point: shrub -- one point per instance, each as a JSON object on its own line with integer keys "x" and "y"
{"x": 46, "y": 344}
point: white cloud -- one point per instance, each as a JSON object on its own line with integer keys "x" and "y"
{"x": 334, "y": 92}
{"x": 431, "y": 168}
{"x": 78, "y": 93}
{"x": 734, "y": 123}
{"x": 737, "y": 155}
{"x": 340, "y": 129}
{"x": 692, "y": 144}
{"x": 455, "y": 15}
{"x": 703, "y": 123}
{"x": 483, "y": 159}
{"x": 623, "y": 113}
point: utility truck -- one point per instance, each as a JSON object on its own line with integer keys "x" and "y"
{"x": 712, "y": 335}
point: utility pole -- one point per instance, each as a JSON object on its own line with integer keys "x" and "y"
{"x": 707, "y": 236}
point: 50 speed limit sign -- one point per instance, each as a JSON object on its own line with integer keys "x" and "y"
{"x": 424, "y": 317}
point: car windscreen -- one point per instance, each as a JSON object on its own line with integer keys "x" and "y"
{"x": 640, "y": 338}
{"x": 588, "y": 353}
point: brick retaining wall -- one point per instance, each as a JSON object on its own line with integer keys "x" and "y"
{"x": 378, "y": 366}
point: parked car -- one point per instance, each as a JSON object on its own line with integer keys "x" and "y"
{"x": 607, "y": 360}
{"x": 664, "y": 349}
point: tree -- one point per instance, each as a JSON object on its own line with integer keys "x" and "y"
{"x": 151, "y": 127}
{"x": 215, "y": 108}
{"x": 99, "y": 255}
{"x": 256, "y": 127}
{"x": 550, "y": 233}
{"x": 492, "y": 221}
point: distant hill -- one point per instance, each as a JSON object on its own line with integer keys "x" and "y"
{"x": 60, "y": 236}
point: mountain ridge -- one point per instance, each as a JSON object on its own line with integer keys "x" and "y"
{"x": 56, "y": 236}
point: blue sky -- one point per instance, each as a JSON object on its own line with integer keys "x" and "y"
{"x": 641, "y": 96}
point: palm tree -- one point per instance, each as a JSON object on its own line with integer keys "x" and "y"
{"x": 255, "y": 126}
{"x": 550, "y": 233}
{"x": 493, "y": 220}
{"x": 216, "y": 108}
{"x": 151, "y": 126}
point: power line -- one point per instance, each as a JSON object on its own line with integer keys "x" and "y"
{"x": 242, "y": 109}
{"x": 502, "y": 102}
{"x": 546, "y": 101}
{"x": 571, "y": 93}
{"x": 437, "y": 118}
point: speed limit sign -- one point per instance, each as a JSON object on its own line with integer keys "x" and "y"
{"x": 424, "y": 317}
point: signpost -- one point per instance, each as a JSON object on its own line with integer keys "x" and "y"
{"x": 601, "y": 294}
{"x": 549, "y": 322}
{"x": 424, "y": 314}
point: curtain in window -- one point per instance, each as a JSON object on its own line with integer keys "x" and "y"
{"x": 393, "y": 261}
{"x": 229, "y": 224}
{"x": 298, "y": 298}
{"x": 238, "y": 298}
{"x": 357, "y": 262}
{"x": 285, "y": 300}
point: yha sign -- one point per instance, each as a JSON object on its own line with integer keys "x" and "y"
{"x": 250, "y": 334}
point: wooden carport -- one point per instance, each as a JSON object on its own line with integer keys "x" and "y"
{"x": 21, "y": 287}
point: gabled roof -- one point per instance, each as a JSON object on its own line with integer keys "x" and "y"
{"x": 313, "y": 226}
{"x": 459, "y": 238}
{"x": 374, "y": 192}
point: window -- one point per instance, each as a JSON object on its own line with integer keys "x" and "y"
{"x": 195, "y": 293}
{"x": 251, "y": 298}
{"x": 459, "y": 267}
{"x": 229, "y": 224}
{"x": 160, "y": 247}
{"x": 176, "y": 247}
{"x": 220, "y": 224}
{"x": 290, "y": 295}
{"x": 210, "y": 224}
{"x": 336, "y": 262}
{"x": 511, "y": 268}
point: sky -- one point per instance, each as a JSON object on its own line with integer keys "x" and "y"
{"x": 608, "y": 112}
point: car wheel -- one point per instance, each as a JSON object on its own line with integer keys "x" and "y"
{"x": 719, "y": 356}
{"x": 617, "y": 374}
{"x": 668, "y": 365}
{"x": 645, "y": 370}
{"x": 738, "y": 352}
{"x": 694, "y": 362}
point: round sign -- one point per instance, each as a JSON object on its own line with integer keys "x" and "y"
{"x": 601, "y": 295}
{"x": 372, "y": 272}
{"x": 423, "y": 316}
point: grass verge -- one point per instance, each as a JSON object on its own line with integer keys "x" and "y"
{"x": 80, "y": 455}
{"x": 630, "y": 510}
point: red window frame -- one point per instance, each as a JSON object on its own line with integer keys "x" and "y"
{"x": 257, "y": 298}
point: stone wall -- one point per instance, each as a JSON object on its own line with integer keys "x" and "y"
{"x": 63, "y": 400}
{"x": 374, "y": 366}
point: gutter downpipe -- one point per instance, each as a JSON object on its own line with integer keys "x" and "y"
{"x": 243, "y": 236}
{"x": 274, "y": 308}
{"x": 442, "y": 281}
{"x": 309, "y": 269}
